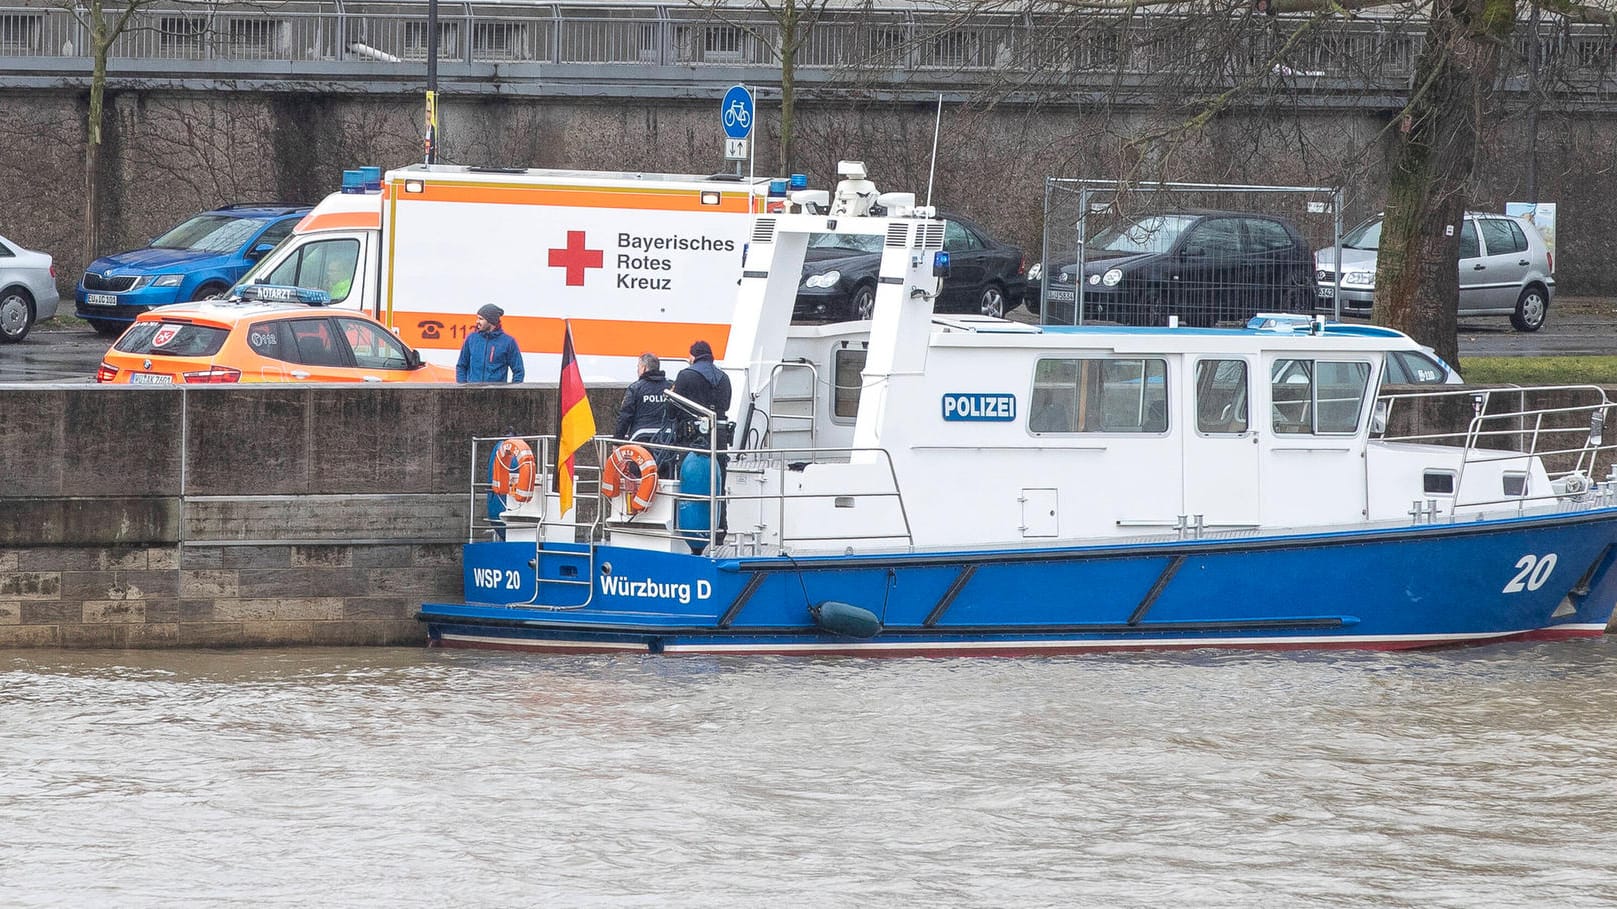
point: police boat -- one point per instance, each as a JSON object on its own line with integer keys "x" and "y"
{"x": 929, "y": 484}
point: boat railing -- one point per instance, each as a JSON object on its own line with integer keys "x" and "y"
{"x": 721, "y": 498}
{"x": 1565, "y": 432}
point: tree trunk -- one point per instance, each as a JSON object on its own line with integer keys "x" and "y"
{"x": 1417, "y": 288}
{"x": 100, "y": 44}
{"x": 788, "y": 84}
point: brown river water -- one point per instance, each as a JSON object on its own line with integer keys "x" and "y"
{"x": 399, "y": 777}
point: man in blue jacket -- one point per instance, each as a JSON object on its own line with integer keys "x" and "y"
{"x": 489, "y": 354}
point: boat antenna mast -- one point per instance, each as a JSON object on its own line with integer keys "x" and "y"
{"x": 932, "y": 169}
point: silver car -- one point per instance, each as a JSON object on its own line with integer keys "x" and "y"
{"x": 27, "y": 290}
{"x": 1505, "y": 270}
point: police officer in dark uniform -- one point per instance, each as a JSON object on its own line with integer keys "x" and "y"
{"x": 703, "y": 382}
{"x": 707, "y": 385}
{"x": 645, "y": 403}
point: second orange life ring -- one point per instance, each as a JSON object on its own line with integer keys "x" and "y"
{"x": 514, "y": 469}
{"x": 630, "y": 464}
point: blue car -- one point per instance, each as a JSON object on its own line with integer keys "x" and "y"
{"x": 201, "y": 258}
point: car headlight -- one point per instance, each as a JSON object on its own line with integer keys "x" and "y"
{"x": 1112, "y": 277}
{"x": 1035, "y": 271}
{"x": 824, "y": 279}
{"x": 1361, "y": 278}
{"x": 167, "y": 280}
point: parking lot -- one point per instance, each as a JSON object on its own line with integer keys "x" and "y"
{"x": 1577, "y": 326}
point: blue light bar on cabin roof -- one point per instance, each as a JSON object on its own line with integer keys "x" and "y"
{"x": 282, "y": 293}
{"x": 362, "y": 180}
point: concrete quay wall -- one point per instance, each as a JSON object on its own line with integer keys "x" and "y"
{"x": 241, "y": 516}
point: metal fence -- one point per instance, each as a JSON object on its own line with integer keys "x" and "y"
{"x": 1057, "y": 45}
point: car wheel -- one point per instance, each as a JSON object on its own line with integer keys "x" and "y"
{"x": 103, "y": 327}
{"x": 992, "y": 302}
{"x": 16, "y": 315}
{"x": 209, "y": 292}
{"x": 863, "y": 304}
{"x": 1531, "y": 308}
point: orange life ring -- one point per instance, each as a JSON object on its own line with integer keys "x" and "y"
{"x": 630, "y": 464}
{"x": 514, "y": 469}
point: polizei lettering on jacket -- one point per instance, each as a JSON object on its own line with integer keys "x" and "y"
{"x": 979, "y": 407}
{"x": 649, "y": 589}
{"x": 639, "y": 266}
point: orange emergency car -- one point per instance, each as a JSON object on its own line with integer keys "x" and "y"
{"x": 257, "y": 341}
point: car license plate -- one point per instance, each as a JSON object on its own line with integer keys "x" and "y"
{"x": 147, "y": 378}
{"x": 1061, "y": 296}
{"x": 101, "y": 299}
{"x": 1326, "y": 293}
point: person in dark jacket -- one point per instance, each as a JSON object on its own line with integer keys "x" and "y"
{"x": 703, "y": 382}
{"x": 707, "y": 385}
{"x": 645, "y": 403}
{"x": 489, "y": 354}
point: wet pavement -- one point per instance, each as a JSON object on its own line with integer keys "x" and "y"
{"x": 50, "y": 354}
{"x": 1577, "y": 326}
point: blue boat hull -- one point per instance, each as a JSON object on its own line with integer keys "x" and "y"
{"x": 1432, "y": 585}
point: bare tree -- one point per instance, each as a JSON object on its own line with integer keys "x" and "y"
{"x": 101, "y": 22}
{"x": 785, "y": 29}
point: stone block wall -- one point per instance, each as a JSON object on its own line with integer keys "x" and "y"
{"x": 241, "y": 516}
{"x": 171, "y": 153}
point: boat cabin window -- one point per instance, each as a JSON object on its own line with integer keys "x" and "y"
{"x": 1317, "y": 397}
{"x": 846, "y": 381}
{"x": 1099, "y": 395}
{"x": 1438, "y": 482}
{"x": 1221, "y": 396}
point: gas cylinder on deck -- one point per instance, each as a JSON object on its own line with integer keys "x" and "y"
{"x": 693, "y": 517}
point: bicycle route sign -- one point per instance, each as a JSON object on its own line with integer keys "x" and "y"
{"x": 736, "y": 112}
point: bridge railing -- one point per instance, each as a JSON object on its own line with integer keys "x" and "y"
{"x": 1050, "y": 47}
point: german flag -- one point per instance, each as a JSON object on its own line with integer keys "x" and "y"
{"x": 577, "y": 421}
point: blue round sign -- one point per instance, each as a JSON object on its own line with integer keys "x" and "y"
{"x": 736, "y": 112}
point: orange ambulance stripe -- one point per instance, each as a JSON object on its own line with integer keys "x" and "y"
{"x": 339, "y": 220}
{"x": 591, "y": 337}
{"x": 594, "y": 197}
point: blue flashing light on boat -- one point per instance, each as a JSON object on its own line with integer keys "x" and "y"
{"x": 282, "y": 293}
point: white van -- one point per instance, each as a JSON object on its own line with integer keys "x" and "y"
{"x": 635, "y": 262}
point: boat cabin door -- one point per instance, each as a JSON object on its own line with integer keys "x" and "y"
{"x": 1220, "y": 445}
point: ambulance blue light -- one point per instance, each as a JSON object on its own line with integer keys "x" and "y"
{"x": 940, "y": 263}
{"x": 362, "y": 180}
{"x": 799, "y": 181}
{"x": 777, "y": 187}
{"x": 283, "y": 293}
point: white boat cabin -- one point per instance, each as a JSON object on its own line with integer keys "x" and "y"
{"x": 920, "y": 431}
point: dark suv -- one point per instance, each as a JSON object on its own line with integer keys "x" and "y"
{"x": 201, "y": 258}
{"x": 1203, "y": 266}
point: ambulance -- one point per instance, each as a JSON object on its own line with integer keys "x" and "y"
{"x": 634, "y": 262}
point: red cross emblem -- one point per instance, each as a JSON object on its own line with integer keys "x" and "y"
{"x": 575, "y": 258}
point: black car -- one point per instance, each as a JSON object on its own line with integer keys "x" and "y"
{"x": 1203, "y": 266}
{"x": 839, "y": 275}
